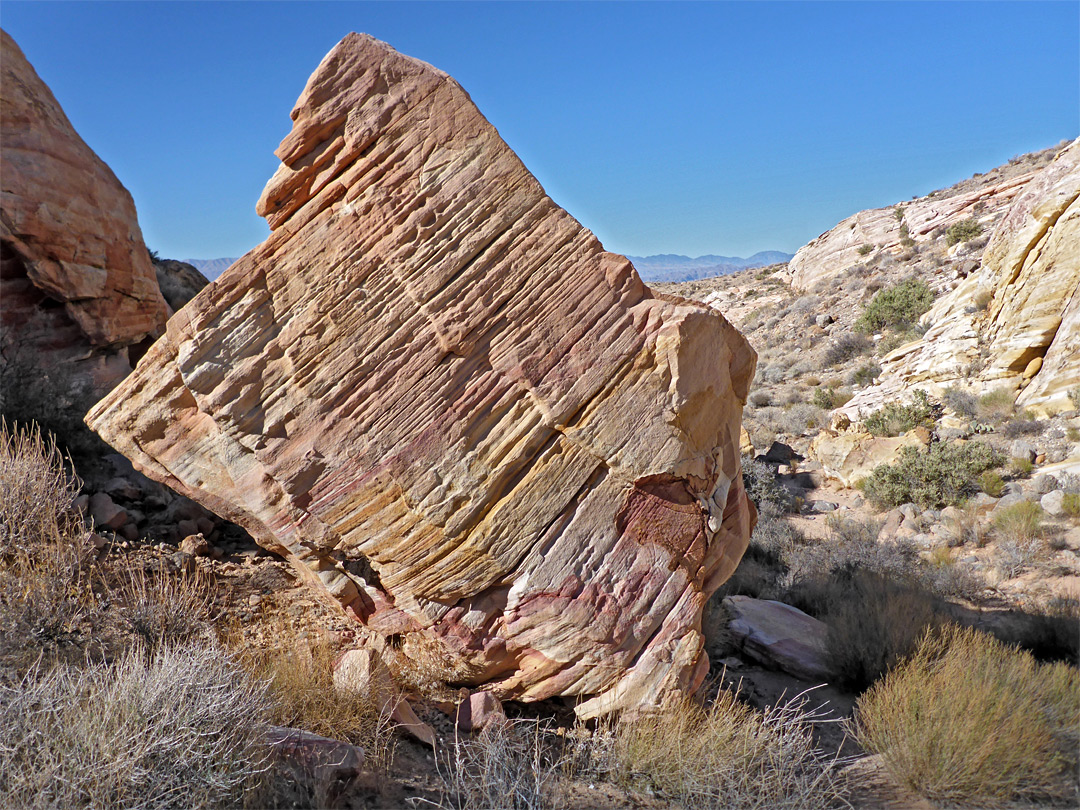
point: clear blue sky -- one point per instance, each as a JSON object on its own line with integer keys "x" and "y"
{"x": 664, "y": 127}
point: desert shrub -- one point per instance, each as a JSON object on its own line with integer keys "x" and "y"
{"x": 511, "y": 765}
{"x": 805, "y": 304}
{"x": 866, "y": 374}
{"x": 961, "y": 402}
{"x": 1070, "y": 504}
{"x": 760, "y": 399}
{"x": 845, "y": 347}
{"x": 1025, "y": 424}
{"x": 895, "y": 338}
{"x": 897, "y": 305}
{"x": 865, "y": 250}
{"x": 1021, "y": 467}
{"x": 997, "y": 405}
{"x": 895, "y": 418}
{"x": 828, "y": 398}
{"x": 940, "y": 475}
{"x": 1074, "y": 397}
{"x": 874, "y": 622}
{"x": 800, "y": 418}
{"x": 983, "y": 299}
{"x": 159, "y": 607}
{"x": 759, "y": 481}
{"x": 183, "y": 728}
{"x": 962, "y": 231}
{"x": 968, "y": 720}
{"x": 725, "y": 755}
{"x": 991, "y": 483}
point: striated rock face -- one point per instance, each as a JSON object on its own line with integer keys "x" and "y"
{"x": 435, "y": 392}
{"x": 832, "y": 254}
{"x": 77, "y": 285}
{"x": 850, "y": 456}
{"x": 1015, "y": 324}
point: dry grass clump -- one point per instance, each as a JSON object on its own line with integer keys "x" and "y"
{"x": 727, "y": 755}
{"x": 46, "y": 593}
{"x": 1019, "y": 522}
{"x": 968, "y": 720}
{"x": 511, "y": 765}
{"x": 996, "y": 406}
{"x": 299, "y": 674}
{"x": 182, "y": 728}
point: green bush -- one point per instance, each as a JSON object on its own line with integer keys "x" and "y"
{"x": 1071, "y": 504}
{"x": 828, "y": 398}
{"x": 1019, "y": 522}
{"x": 895, "y": 418}
{"x": 992, "y": 484}
{"x": 969, "y": 720}
{"x": 963, "y": 231}
{"x": 866, "y": 250}
{"x": 940, "y": 475}
{"x": 847, "y": 346}
{"x": 897, "y": 305}
{"x": 866, "y": 374}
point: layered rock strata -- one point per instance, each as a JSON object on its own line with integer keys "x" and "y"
{"x": 436, "y": 393}
{"x": 1015, "y": 323}
{"x": 880, "y": 230}
{"x": 77, "y": 286}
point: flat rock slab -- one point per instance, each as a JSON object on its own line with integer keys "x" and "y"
{"x": 435, "y": 393}
{"x": 779, "y": 636}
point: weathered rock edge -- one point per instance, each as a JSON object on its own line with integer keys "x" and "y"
{"x": 437, "y": 394}
{"x": 77, "y": 287}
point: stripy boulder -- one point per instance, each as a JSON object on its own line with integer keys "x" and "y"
{"x": 78, "y": 288}
{"x": 435, "y": 393}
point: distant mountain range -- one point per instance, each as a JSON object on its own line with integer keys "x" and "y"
{"x": 211, "y": 268}
{"x": 673, "y": 267}
{"x": 663, "y": 267}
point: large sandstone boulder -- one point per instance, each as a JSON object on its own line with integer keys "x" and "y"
{"x": 434, "y": 391}
{"x": 850, "y": 456}
{"x": 77, "y": 287}
{"x": 1015, "y": 324}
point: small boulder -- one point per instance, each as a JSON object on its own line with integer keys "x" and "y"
{"x": 779, "y": 636}
{"x": 780, "y": 453}
{"x": 195, "y": 545}
{"x": 1053, "y": 503}
{"x": 315, "y": 760}
{"x": 1044, "y": 483}
{"x": 823, "y": 507}
{"x": 105, "y": 513}
{"x": 187, "y": 527}
{"x": 1023, "y": 450}
{"x": 120, "y": 487}
{"x": 823, "y": 320}
{"x": 478, "y": 710}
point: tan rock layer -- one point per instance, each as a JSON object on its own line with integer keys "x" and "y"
{"x": 436, "y": 393}
{"x": 70, "y": 237}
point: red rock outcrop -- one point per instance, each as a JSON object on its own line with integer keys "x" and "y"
{"x": 435, "y": 392}
{"x": 77, "y": 285}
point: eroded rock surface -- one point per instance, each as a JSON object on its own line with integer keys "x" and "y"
{"x": 1014, "y": 324}
{"x": 76, "y": 281}
{"x": 437, "y": 394}
{"x": 878, "y": 230}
